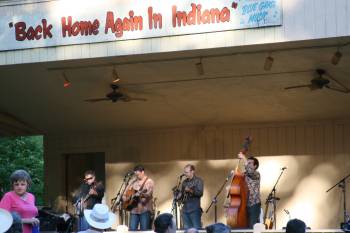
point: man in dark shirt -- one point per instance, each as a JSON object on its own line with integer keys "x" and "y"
{"x": 191, "y": 193}
{"x": 90, "y": 193}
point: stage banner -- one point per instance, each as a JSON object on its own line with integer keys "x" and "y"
{"x": 66, "y": 22}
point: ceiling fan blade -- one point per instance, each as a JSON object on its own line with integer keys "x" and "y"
{"x": 137, "y": 99}
{"x": 96, "y": 100}
{"x": 127, "y": 98}
{"x": 337, "y": 89}
{"x": 346, "y": 89}
{"x": 299, "y": 86}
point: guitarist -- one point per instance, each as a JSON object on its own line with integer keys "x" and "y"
{"x": 252, "y": 177}
{"x": 140, "y": 214}
{"x": 90, "y": 193}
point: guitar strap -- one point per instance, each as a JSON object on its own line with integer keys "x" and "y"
{"x": 143, "y": 184}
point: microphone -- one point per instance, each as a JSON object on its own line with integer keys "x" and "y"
{"x": 230, "y": 173}
{"x": 283, "y": 168}
{"x": 130, "y": 173}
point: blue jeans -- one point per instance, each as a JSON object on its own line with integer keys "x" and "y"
{"x": 192, "y": 219}
{"x": 143, "y": 219}
{"x": 83, "y": 224}
{"x": 253, "y": 214}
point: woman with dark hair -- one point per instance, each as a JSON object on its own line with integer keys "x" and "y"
{"x": 20, "y": 201}
{"x": 165, "y": 223}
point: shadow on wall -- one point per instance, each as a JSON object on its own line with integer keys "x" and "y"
{"x": 302, "y": 188}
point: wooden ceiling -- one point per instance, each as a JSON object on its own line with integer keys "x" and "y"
{"x": 234, "y": 89}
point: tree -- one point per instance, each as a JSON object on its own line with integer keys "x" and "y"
{"x": 23, "y": 153}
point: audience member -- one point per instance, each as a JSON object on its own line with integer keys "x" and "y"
{"x": 295, "y": 226}
{"x": 99, "y": 218}
{"x": 165, "y": 223}
{"x": 21, "y": 201}
{"x": 218, "y": 228}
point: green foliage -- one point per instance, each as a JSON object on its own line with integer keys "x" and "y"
{"x": 23, "y": 153}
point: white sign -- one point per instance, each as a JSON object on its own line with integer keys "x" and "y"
{"x": 68, "y": 22}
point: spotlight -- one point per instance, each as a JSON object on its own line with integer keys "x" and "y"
{"x": 336, "y": 57}
{"x": 199, "y": 67}
{"x": 115, "y": 76}
{"x": 268, "y": 63}
{"x": 66, "y": 82}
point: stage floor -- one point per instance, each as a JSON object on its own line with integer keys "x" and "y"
{"x": 233, "y": 231}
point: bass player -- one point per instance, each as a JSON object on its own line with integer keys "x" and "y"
{"x": 252, "y": 177}
{"x": 90, "y": 193}
{"x": 138, "y": 199}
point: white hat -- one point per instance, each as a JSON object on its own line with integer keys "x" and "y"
{"x": 5, "y": 220}
{"x": 99, "y": 217}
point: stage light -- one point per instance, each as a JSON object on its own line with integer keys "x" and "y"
{"x": 199, "y": 67}
{"x": 66, "y": 82}
{"x": 336, "y": 57}
{"x": 115, "y": 76}
{"x": 268, "y": 63}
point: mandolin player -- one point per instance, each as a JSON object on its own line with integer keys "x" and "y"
{"x": 191, "y": 193}
{"x": 90, "y": 193}
{"x": 138, "y": 196}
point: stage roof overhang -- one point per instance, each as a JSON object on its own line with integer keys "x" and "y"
{"x": 233, "y": 89}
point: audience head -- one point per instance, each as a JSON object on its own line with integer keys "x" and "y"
{"x": 20, "y": 180}
{"x": 99, "y": 217}
{"x": 218, "y": 228}
{"x": 295, "y": 226}
{"x": 165, "y": 223}
{"x": 20, "y": 175}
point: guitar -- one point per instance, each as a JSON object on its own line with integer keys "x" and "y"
{"x": 268, "y": 217}
{"x": 132, "y": 198}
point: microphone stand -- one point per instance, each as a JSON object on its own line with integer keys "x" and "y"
{"x": 215, "y": 199}
{"x": 342, "y": 184}
{"x": 272, "y": 198}
{"x": 174, "y": 207}
{"x": 116, "y": 201}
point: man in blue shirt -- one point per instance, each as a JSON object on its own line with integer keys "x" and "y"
{"x": 191, "y": 193}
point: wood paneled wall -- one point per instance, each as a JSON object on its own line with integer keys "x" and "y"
{"x": 313, "y": 147}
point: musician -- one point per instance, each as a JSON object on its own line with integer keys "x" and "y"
{"x": 141, "y": 213}
{"x": 90, "y": 193}
{"x": 252, "y": 177}
{"x": 192, "y": 190}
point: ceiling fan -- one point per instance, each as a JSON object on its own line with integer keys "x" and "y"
{"x": 320, "y": 82}
{"x": 117, "y": 94}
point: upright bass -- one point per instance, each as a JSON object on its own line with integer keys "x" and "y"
{"x": 237, "y": 196}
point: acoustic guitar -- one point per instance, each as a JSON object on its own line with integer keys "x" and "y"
{"x": 132, "y": 198}
{"x": 269, "y": 218}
